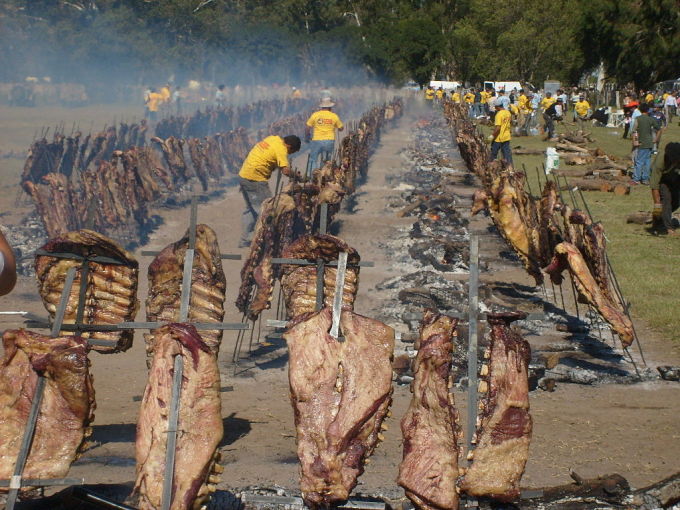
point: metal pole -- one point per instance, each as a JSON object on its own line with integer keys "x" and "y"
{"x": 337, "y": 298}
{"x": 473, "y": 311}
{"x": 171, "y": 445}
{"x": 27, "y": 439}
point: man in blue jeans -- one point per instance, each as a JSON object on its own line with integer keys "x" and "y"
{"x": 321, "y": 128}
{"x": 645, "y": 127}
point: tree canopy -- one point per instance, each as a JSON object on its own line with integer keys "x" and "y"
{"x": 338, "y": 41}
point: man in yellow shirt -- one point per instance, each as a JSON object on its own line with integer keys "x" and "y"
{"x": 320, "y": 129}
{"x": 439, "y": 95}
{"x": 429, "y": 95}
{"x": 469, "y": 97}
{"x": 455, "y": 97}
{"x": 547, "y": 101}
{"x": 649, "y": 98}
{"x": 153, "y": 101}
{"x": 501, "y": 134}
{"x": 581, "y": 108}
{"x": 165, "y": 93}
{"x": 523, "y": 101}
{"x": 262, "y": 160}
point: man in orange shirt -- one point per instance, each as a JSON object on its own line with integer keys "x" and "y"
{"x": 321, "y": 127}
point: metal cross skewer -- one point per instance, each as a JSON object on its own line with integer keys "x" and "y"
{"x": 337, "y": 298}
{"x": 16, "y": 482}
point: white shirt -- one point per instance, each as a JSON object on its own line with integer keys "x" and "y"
{"x": 670, "y": 100}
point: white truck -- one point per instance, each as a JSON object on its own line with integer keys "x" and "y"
{"x": 446, "y": 85}
{"x": 506, "y": 86}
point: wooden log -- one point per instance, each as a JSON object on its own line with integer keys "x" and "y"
{"x": 576, "y": 159}
{"x": 621, "y": 189}
{"x": 572, "y": 172}
{"x": 639, "y": 217}
{"x": 590, "y": 185}
{"x": 570, "y": 147}
{"x": 528, "y": 152}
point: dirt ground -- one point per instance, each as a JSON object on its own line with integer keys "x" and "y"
{"x": 632, "y": 430}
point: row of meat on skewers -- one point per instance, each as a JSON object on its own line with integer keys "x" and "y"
{"x": 545, "y": 232}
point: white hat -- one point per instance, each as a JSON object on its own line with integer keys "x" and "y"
{"x": 326, "y": 103}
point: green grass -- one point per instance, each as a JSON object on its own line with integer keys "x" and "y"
{"x": 647, "y": 266}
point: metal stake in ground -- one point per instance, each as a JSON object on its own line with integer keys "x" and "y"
{"x": 173, "y": 417}
{"x": 27, "y": 439}
{"x": 473, "y": 311}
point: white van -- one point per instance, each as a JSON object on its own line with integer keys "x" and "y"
{"x": 446, "y": 85}
{"x": 506, "y": 86}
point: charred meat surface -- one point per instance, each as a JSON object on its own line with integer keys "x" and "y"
{"x": 299, "y": 282}
{"x": 273, "y": 231}
{"x": 199, "y": 428}
{"x": 111, "y": 292}
{"x": 208, "y": 285}
{"x": 568, "y": 257}
{"x": 429, "y": 469}
{"x": 504, "y": 433}
{"x": 340, "y": 391}
{"x": 67, "y": 406}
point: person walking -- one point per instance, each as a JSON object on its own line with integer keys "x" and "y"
{"x": 320, "y": 130}
{"x": 153, "y": 102}
{"x": 220, "y": 97}
{"x": 581, "y": 109}
{"x": 643, "y": 139}
{"x": 665, "y": 185}
{"x": 500, "y": 139}
{"x": 257, "y": 168}
{"x": 429, "y": 95}
{"x": 669, "y": 107}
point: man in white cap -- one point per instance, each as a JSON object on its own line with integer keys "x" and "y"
{"x": 321, "y": 127}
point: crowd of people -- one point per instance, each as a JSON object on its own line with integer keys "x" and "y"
{"x": 646, "y": 115}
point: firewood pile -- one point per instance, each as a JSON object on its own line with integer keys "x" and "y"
{"x": 295, "y": 211}
{"x": 545, "y": 233}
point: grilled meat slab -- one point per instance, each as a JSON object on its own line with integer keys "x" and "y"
{"x": 199, "y": 426}
{"x": 340, "y": 391}
{"x": 111, "y": 295}
{"x": 505, "y": 426}
{"x": 568, "y": 257}
{"x": 208, "y": 285}
{"x": 429, "y": 469}
{"x": 67, "y": 407}
{"x": 299, "y": 282}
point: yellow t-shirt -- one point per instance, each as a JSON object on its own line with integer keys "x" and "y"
{"x": 439, "y": 94}
{"x": 263, "y": 158}
{"x": 513, "y": 109}
{"x": 429, "y": 94}
{"x": 547, "y": 102}
{"x": 665, "y": 95}
{"x": 324, "y": 123}
{"x": 523, "y": 101}
{"x": 581, "y": 108}
{"x": 455, "y": 97}
{"x": 165, "y": 94}
{"x": 649, "y": 98}
{"x": 484, "y": 94}
{"x": 154, "y": 100}
{"x": 469, "y": 98}
{"x": 503, "y": 118}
